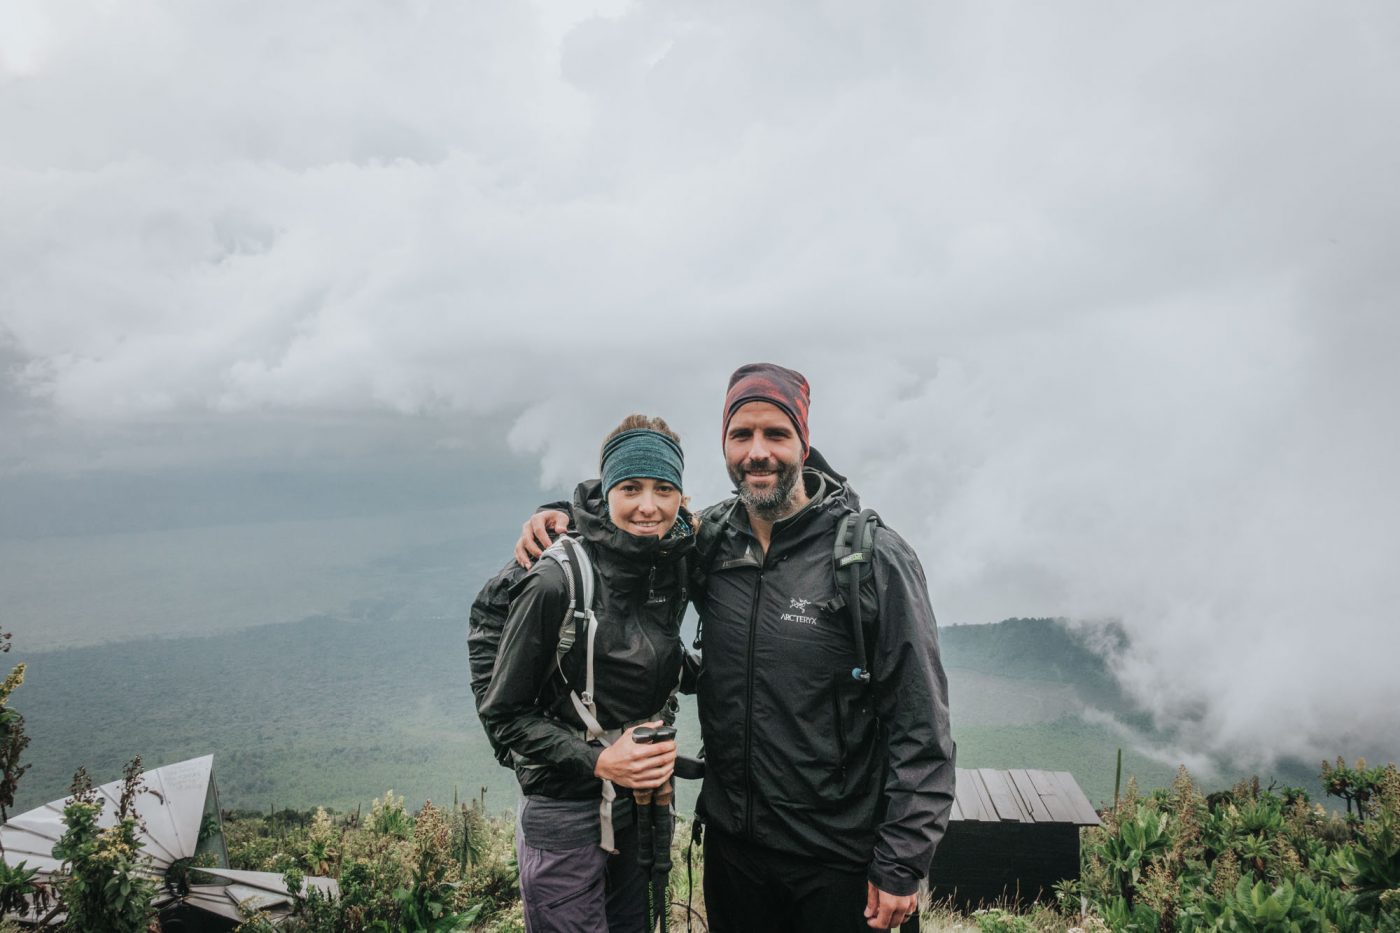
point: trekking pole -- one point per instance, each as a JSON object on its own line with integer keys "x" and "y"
{"x": 663, "y": 827}
{"x": 648, "y": 802}
{"x": 641, "y": 799}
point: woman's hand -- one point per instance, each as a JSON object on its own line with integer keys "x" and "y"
{"x": 534, "y": 535}
{"x": 630, "y": 764}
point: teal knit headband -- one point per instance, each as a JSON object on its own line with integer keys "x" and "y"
{"x": 642, "y": 453}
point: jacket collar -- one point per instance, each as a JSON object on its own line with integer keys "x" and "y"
{"x": 828, "y": 493}
{"x": 642, "y": 552}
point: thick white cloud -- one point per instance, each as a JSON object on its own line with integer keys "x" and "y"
{"x": 1096, "y": 299}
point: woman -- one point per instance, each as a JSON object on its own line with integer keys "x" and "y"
{"x": 577, "y": 846}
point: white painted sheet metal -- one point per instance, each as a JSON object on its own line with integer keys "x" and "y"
{"x": 172, "y": 804}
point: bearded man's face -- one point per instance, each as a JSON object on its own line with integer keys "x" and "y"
{"x": 763, "y": 454}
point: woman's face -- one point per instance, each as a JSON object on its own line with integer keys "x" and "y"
{"x": 644, "y": 506}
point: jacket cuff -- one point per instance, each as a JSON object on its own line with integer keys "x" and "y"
{"x": 893, "y": 879}
{"x": 591, "y": 763}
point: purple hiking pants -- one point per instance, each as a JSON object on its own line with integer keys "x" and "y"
{"x": 582, "y": 890}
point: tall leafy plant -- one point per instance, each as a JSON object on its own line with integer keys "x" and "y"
{"x": 1356, "y": 784}
{"x": 13, "y": 739}
{"x": 106, "y": 888}
{"x": 18, "y": 890}
{"x": 1371, "y": 868}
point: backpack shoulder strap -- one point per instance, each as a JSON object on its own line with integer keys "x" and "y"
{"x": 579, "y": 622}
{"x": 708, "y": 538}
{"x": 573, "y": 559}
{"x": 851, "y": 559}
{"x": 711, "y": 531}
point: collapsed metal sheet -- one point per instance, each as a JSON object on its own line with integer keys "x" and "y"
{"x": 174, "y": 804}
{"x": 255, "y": 890}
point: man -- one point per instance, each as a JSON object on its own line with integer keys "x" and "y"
{"x": 824, "y": 794}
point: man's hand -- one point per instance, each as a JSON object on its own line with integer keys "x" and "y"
{"x": 884, "y": 911}
{"x": 534, "y": 535}
{"x": 629, "y": 764}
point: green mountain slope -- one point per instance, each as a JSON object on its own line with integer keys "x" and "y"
{"x": 334, "y": 711}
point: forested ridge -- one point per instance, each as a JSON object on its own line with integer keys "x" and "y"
{"x": 330, "y": 710}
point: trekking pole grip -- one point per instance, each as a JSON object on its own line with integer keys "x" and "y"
{"x": 643, "y": 735}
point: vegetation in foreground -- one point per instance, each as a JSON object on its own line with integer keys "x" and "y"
{"x": 1248, "y": 859}
{"x": 435, "y": 871}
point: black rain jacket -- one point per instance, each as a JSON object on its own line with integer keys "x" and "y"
{"x": 801, "y": 757}
{"x": 637, "y": 653}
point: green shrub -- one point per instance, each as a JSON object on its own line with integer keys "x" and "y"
{"x": 16, "y": 888}
{"x": 1356, "y": 784}
{"x": 1246, "y": 859}
{"x": 1371, "y": 867}
{"x": 389, "y": 818}
{"x": 104, "y": 889}
{"x": 999, "y": 920}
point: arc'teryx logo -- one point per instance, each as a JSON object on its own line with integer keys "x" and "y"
{"x": 799, "y": 605}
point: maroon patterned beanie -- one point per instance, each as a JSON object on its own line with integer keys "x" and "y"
{"x": 769, "y": 382}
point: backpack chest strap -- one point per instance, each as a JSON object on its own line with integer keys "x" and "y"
{"x": 594, "y": 732}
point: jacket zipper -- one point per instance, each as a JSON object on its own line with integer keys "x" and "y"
{"x": 748, "y": 708}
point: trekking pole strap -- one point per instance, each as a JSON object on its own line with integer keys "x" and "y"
{"x": 661, "y": 903}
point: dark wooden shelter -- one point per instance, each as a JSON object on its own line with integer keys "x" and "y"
{"x": 1012, "y": 836}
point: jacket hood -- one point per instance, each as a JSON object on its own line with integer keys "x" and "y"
{"x": 828, "y": 493}
{"x": 834, "y": 485}
{"x": 641, "y": 553}
{"x": 815, "y": 461}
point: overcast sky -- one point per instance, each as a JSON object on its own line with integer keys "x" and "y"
{"x": 1098, "y": 300}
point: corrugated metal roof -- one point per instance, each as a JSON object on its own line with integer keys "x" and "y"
{"x": 1021, "y": 796}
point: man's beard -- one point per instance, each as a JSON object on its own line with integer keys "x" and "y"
{"x": 773, "y": 504}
